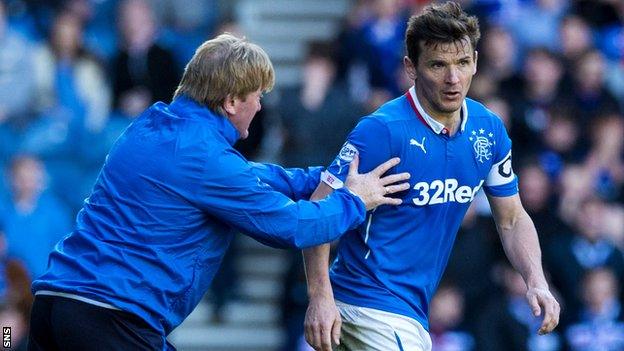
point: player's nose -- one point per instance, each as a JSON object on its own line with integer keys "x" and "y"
{"x": 452, "y": 75}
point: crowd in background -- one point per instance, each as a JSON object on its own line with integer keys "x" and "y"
{"x": 74, "y": 73}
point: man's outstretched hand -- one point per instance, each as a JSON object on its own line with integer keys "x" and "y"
{"x": 372, "y": 187}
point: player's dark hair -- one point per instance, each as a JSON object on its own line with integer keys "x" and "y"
{"x": 437, "y": 24}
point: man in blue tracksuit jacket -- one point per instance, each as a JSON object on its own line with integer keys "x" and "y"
{"x": 168, "y": 199}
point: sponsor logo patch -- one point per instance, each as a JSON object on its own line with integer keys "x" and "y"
{"x": 347, "y": 153}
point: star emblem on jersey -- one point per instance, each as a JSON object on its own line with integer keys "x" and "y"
{"x": 482, "y": 145}
{"x": 421, "y": 145}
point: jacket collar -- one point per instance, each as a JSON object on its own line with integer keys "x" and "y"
{"x": 186, "y": 107}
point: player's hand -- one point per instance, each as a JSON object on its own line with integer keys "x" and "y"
{"x": 542, "y": 300}
{"x": 372, "y": 187}
{"x": 322, "y": 323}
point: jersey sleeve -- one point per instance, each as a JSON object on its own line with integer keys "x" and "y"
{"x": 501, "y": 180}
{"x": 370, "y": 140}
{"x": 231, "y": 191}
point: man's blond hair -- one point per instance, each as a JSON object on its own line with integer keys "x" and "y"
{"x": 225, "y": 66}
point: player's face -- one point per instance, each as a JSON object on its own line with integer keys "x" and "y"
{"x": 443, "y": 75}
{"x": 241, "y": 111}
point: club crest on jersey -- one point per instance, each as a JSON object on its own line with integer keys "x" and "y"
{"x": 347, "y": 153}
{"x": 482, "y": 144}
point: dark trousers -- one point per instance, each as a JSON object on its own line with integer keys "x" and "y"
{"x": 59, "y": 323}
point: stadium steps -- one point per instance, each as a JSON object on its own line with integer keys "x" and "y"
{"x": 283, "y": 27}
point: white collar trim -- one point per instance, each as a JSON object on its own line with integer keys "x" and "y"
{"x": 435, "y": 125}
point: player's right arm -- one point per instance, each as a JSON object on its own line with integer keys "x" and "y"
{"x": 368, "y": 143}
{"x": 322, "y": 316}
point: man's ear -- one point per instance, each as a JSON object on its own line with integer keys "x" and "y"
{"x": 410, "y": 68}
{"x": 229, "y": 105}
{"x": 476, "y": 57}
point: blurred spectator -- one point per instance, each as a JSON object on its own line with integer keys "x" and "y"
{"x": 588, "y": 96}
{"x": 570, "y": 255}
{"x": 499, "y": 54}
{"x": 560, "y": 144}
{"x": 319, "y": 105}
{"x": 37, "y": 16}
{"x": 614, "y": 224}
{"x": 16, "y": 86}
{"x": 74, "y": 100}
{"x": 70, "y": 82}
{"x": 531, "y": 95}
{"x": 604, "y": 161}
{"x": 143, "y": 71}
{"x": 600, "y": 325}
{"x": 372, "y": 48}
{"x": 575, "y": 38}
{"x": 188, "y": 23}
{"x": 34, "y": 220}
{"x": 508, "y": 324}
{"x": 445, "y": 318}
{"x": 536, "y": 192}
{"x": 383, "y": 33}
{"x": 535, "y": 23}
{"x": 96, "y": 16}
{"x": 16, "y": 81}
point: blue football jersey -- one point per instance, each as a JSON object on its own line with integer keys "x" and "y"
{"x": 394, "y": 260}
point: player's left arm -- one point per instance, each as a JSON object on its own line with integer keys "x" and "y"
{"x": 519, "y": 239}
{"x": 517, "y": 232}
{"x": 296, "y": 183}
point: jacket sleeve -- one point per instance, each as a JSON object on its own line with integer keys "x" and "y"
{"x": 232, "y": 192}
{"x": 296, "y": 183}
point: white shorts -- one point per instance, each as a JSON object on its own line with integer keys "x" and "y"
{"x": 368, "y": 329}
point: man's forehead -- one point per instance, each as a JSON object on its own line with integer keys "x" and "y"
{"x": 460, "y": 47}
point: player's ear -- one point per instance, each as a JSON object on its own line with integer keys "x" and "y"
{"x": 229, "y": 105}
{"x": 410, "y": 68}
{"x": 476, "y": 57}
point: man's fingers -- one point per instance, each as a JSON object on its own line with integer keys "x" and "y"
{"x": 313, "y": 336}
{"x": 535, "y": 307}
{"x": 551, "y": 310}
{"x": 391, "y": 201}
{"x": 318, "y": 344}
{"x": 336, "y": 331}
{"x": 384, "y": 167}
{"x": 391, "y": 189}
{"x": 551, "y": 317}
{"x": 353, "y": 166}
{"x": 326, "y": 333}
{"x": 310, "y": 336}
{"x": 394, "y": 178}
